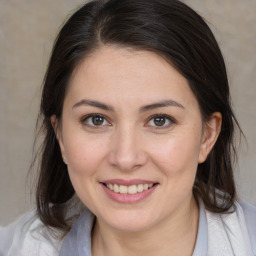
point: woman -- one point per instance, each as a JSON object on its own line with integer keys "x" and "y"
{"x": 138, "y": 150}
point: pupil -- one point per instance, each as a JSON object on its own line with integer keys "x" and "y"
{"x": 97, "y": 120}
{"x": 159, "y": 121}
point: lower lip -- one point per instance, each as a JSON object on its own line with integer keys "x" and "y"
{"x": 128, "y": 198}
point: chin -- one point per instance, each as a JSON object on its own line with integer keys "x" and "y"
{"x": 128, "y": 222}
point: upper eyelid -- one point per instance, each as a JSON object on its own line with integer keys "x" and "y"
{"x": 162, "y": 115}
{"x": 83, "y": 119}
{"x": 147, "y": 120}
{"x": 93, "y": 115}
{"x": 171, "y": 120}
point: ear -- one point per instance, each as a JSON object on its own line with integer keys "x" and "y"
{"x": 56, "y": 128}
{"x": 210, "y": 135}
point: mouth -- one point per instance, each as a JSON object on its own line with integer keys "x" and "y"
{"x": 131, "y": 189}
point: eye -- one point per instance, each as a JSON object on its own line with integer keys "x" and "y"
{"x": 95, "y": 120}
{"x": 161, "y": 121}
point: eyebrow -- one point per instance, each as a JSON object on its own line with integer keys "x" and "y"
{"x": 93, "y": 103}
{"x": 97, "y": 104}
{"x": 161, "y": 104}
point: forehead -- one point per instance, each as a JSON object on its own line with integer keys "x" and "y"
{"x": 112, "y": 73}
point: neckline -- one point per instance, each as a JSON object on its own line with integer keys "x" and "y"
{"x": 78, "y": 240}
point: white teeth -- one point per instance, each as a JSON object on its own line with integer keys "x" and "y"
{"x": 140, "y": 187}
{"x": 145, "y": 186}
{"x": 123, "y": 189}
{"x": 133, "y": 189}
{"x": 116, "y": 188}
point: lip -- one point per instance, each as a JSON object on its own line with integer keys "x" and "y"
{"x": 128, "y": 182}
{"x": 128, "y": 198}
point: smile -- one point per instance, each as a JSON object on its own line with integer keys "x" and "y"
{"x": 133, "y": 189}
{"x": 128, "y": 191}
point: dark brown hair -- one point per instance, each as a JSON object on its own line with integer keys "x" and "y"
{"x": 166, "y": 27}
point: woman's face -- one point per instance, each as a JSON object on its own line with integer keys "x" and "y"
{"x": 132, "y": 136}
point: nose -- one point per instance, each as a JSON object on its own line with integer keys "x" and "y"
{"x": 127, "y": 152}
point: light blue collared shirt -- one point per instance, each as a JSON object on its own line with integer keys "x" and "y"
{"x": 78, "y": 241}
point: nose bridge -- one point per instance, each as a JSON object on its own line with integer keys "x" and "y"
{"x": 127, "y": 152}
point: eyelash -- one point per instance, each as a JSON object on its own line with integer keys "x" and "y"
{"x": 84, "y": 120}
{"x": 171, "y": 121}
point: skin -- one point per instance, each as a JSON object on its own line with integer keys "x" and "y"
{"x": 129, "y": 145}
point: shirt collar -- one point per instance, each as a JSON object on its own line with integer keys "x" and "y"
{"x": 78, "y": 240}
{"x": 201, "y": 246}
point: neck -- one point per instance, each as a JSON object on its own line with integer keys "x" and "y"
{"x": 175, "y": 235}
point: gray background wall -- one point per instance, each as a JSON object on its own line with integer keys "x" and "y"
{"x": 27, "y": 31}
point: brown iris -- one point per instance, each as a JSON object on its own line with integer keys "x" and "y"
{"x": 159, "y": 121}
{"x": 97, "y": 120}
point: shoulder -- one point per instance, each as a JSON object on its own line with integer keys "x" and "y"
{"x": 250, "y": 218}
{"x": 249, "y": 210}
{"x": 28, "y": 236}
{"x": 232, "y": 232}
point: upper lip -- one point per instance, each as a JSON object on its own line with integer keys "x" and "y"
{"x": 128, "y": 182}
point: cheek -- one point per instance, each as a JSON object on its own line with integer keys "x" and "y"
{"x": 84, "y": 155}
{"x": 177, "y": 158}
{"x": 177, "y": 155}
